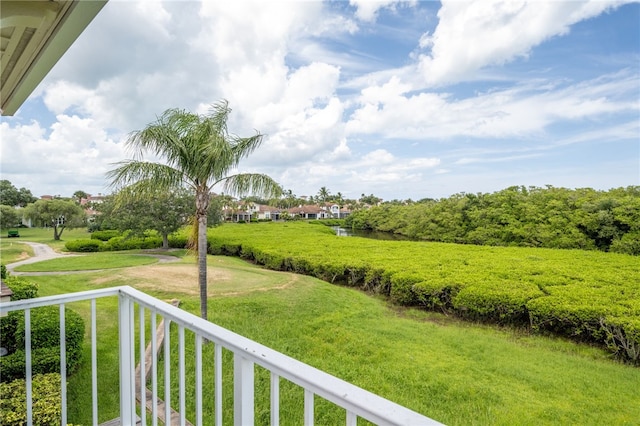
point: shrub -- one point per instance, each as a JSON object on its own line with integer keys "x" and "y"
{"x": 132, "y": 243}
{"x": 622, "y": 337}
{"x": 178, "y": 241}
{"x": 3, "y": 271}
{"x": 402, "y": 288}
{"x": 45, "y": 341}
{"x": 84, "y": 245}
{"x": 105, "y": 235}
{"x": 46, "y": 402}
{"x": 21, "y": 288}
{"x": 504, "y": 304}
{"x": 435, "y": 296}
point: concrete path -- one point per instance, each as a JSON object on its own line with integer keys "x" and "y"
{"x": 44, "y": 252}
{"x": 40, "y": 252}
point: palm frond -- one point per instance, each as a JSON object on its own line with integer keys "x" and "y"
{"x": 251, "y": 183}
{"x": 145, "y": 175}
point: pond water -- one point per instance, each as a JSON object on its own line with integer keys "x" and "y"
{"x": 376, "y": 235}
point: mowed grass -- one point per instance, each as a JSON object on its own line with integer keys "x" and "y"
{"x": 83, "y": 262}
{"x": 12, "y": 250}
{"x": 457, "y": 373}
{"x": 45, "y": 236}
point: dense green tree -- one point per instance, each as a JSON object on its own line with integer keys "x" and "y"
{"x": 199, "y": 153}
{"x": 58, "y": 214}
{"x": 11, "y": 196}
{"x": 162, "y": 211}
{"x": 540, "y": 217}
{"x": 9, "y": 217}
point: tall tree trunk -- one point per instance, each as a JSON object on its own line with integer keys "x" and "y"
{"x": 202, "y": 206}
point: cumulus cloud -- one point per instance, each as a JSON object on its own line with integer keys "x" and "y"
{"x": 472, "y": 35}
{"x": 74, "y": 153}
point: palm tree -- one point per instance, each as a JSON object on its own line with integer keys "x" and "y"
{"x": 323, "y": 194}
{"x": 200, "y": 154}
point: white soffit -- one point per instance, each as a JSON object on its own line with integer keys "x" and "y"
{"x": 34, "y": 34}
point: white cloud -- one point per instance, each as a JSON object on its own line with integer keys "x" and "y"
{"x": 367, "y": 10}
{"x": 74, "y": 154}
{"x": 474, "y": 34}
{"x": 523, "y": 111}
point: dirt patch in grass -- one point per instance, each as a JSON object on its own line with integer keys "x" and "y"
{"x": 184, "y": 279}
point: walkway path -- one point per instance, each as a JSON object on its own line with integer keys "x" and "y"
{"x": 44, "y": 252}
{"x": 40, "y": 252}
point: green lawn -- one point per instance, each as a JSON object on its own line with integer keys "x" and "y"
{"x": 457, "y": 373}
{"x": 90, "y": 261}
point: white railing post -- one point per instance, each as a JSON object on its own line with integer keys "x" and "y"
{"x": 242, "y": 391}
{"x": 127, "y": 371}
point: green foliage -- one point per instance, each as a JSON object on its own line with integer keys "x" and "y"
{"x": 46, "y": 394}
{"x": 84, "y": 245}
{"x": 518, "y": 216}
{"x": 3, "y": 271}
{"x": 9, "y": 217}
{"x": 105, "y": 235}
{"x": 21, "y": 288}
{"x": 566, "y": 292}
{"x": 132, "y": 243}
{"x": 11, "y": 196}
{"x": 45, "y": 343}
{"x": 58, "y": 214}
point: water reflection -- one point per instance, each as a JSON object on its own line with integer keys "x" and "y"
{"x": 376, "y": 235}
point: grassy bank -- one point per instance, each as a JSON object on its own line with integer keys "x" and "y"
{"x": 455, "y": 372}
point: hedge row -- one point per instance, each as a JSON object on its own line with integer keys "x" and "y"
{"x": 588, "y": 296}
{"x": 118, "y": 243}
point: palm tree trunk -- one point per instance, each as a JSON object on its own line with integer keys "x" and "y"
{"x": 202, "y": 205}
{"x": 202, "y": 264}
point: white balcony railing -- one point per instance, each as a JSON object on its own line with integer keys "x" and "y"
{"x": 246, "y": 354}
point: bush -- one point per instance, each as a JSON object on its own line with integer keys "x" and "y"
{"x": 45, "y": 343}
{"x": 46, "y": 394}
{"x": 622, "y": 337}
{"x": 3, "y": 271}
{"x": 84, "y": 245}
{"x": 21, "y": 288}
{"x": 105, "y": 235}
{"x": 132, "y": 243}
{"x": 504, "y": 304}
{"x": 178, "y": 241}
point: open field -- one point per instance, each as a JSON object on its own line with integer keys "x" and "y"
{"x": 455, "y": 372}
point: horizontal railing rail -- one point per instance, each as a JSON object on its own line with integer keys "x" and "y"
{"x": 247, "y": 353}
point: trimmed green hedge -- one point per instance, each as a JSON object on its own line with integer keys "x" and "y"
{"x": 105, "y": 235}
{"x": 123, "y": 242}
{"x": 84, "y": 245}
{"x": 579, "y": 294}
{"x": 45, "y": 343}
{"x": 46, "y": 402}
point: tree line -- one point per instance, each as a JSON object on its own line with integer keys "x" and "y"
{"x": 518, "y": 216}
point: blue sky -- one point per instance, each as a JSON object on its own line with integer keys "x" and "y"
{"x": 398, "y": 99}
